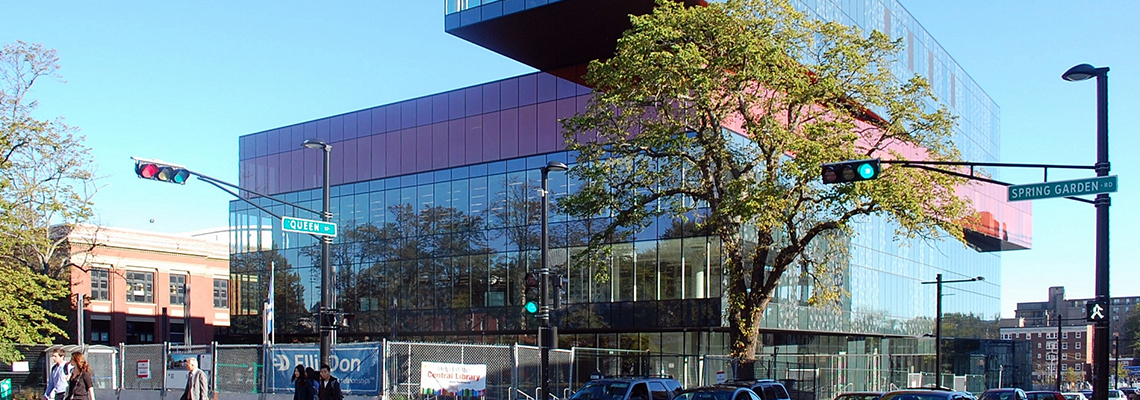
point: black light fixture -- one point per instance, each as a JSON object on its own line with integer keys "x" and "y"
{"x": 1082, "y": 72}
{"x": 1103, "y": 201}
{"x": 546, "y": 333}
{"x": 938, "y": 322}
{"x": 328, "y": 280}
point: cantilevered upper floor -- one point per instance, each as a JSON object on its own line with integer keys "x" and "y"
{"x": 546, "y": 34}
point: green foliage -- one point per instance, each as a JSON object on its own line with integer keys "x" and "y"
{"x": 1130, "y": 334}
{"x": 963, "y": 326}
{"x": 45, "y": 181}
{"x": 720, "y": 117}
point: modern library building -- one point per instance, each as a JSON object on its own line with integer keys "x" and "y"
{"x": 437, "y": 203}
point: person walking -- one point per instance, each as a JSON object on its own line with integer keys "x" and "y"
{"x": 57, "y": 378}
{"x": 195, "y": 382}
{"x": 79, "y": 385}
{"x": 302, "y": 385}
{"x": 330, "y": 386}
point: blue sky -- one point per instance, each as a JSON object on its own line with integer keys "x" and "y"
{"x": 181, "y": 81}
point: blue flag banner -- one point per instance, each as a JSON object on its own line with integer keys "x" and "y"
{"x": 357, "y": 368}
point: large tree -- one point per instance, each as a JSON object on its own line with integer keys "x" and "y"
{"x": 45, "y": 181}
{"x": 721, "y": 115}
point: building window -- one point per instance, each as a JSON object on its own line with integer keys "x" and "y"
{"x": 1064, "y": 346}
{"x": 140, "y": 288}
{"x": 1038, "y": 355}
{"x": 1077, "y": 345}
{"x": 1077, "y": 356}
{"x": 177, "y": 333}
{"x": 1051, "y": 335}
{"x": 1039, "y": 345}
{"x": 1078, "y": 366}
{"x": 1064, "y": 335}
{"x": 177, "y": 290}
{"x": 1038, "y": 335}
{"x": 1005, "y": 336}
{"x": 100, "y": 332}
{"x": 100, "y": 284}
{"x": 221, "y": 293}
{"x": 1078, "y": 335}
{"x": 1064, "y": 356}
{"x": 140, "y": 332}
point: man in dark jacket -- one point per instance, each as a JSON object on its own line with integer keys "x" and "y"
{"x": 330, "y": 386}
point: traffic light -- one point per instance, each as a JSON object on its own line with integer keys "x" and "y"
{"x": 159, "y": 171}
{"x": 532, "y": 292}
{"x": 850, "y": 171}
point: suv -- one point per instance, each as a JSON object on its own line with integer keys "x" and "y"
{"x": 927, "y": 394}
{"x": 1004, "y": 394}
{"x": 767, "y": 389}
{"x": 629, "y": 388}
{"x": 718, "y": 392}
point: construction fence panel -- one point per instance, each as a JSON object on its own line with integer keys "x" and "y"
{"x": 403, "y": 362}
{"x": 143, "y": 366}
{"x": 239, "y": 368}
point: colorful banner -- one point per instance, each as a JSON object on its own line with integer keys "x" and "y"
{"x": 444, "y": 379}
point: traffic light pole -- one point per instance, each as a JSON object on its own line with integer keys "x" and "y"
{"x": 545, "y": 331}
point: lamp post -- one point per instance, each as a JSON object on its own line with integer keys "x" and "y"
{"x": 545, "y": 333}
{"x": 1059, "y": 319}
{"x": 938, "y": 323}
{"x": 328, "y": 296}
{"x": 1100, "y": 331}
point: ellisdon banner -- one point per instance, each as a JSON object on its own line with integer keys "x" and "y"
{"x": 357, "y": 369}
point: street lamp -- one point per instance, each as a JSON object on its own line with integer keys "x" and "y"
{"x": 938, "y": 323}
{"x": 1100, "y": 331}
{"x": 545, "y": 333}
{"x": 328, "y": 296}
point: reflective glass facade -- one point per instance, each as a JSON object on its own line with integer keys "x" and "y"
{"x": 437, "y": 202}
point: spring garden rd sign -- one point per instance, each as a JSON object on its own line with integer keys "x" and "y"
{"x": 1076, "y": 187}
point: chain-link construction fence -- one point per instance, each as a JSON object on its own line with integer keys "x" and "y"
{"x": 240, "y": 368}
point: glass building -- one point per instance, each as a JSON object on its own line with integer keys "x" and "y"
{"x": 437, "y": 202}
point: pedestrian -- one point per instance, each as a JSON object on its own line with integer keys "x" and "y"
{"x": 302, "y": 385}
{"x": 195, "y": 382}
{"x": 57, "y": 378}
{"x": 330, "y": 386}
{"x": 79, "y": 385}
{"x": 315, "y": 379}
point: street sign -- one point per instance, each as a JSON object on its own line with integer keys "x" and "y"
{"x": 1096, "y": 311}
{"x": 1075, "y": 187}
{"x": 291, "y": 224}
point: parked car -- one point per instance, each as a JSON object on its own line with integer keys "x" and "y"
{"x": 1129, "y": 392}
{"x": 1044, "y": 395}
{"x": 927, "y": 394}
{"x": 1003, "y": 394}
{"x": 767, "y": 389}
{"x": 859, "y": 396}
{"x": 629, "y": 388}
{"x": 718, "y": 392}
{"x": 1074, "y": 396}
{"x": 1114, "y": 394}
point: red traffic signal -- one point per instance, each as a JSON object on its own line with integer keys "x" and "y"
{"x": 158, "y": 171}
{"x": 850, "y": 171}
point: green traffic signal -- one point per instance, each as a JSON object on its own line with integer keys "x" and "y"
{"x": 850, "y": 171}
{"x": 531, "y": 307}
